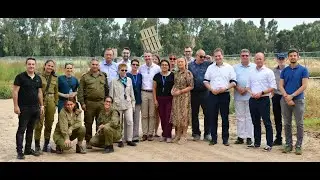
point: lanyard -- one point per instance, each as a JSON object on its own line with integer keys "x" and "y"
{"x": 163, "y": 82}
{"x": 135, "y": 79}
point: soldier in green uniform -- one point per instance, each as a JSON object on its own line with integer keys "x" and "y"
{"x": 69, "y": 127}
{"x": 109, "y": 127}
{"x": 91, "y": 93}
{"x": 50, "y": 101}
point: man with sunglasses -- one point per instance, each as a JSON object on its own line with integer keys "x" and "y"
{"x": 173, "y": 62}
{"x": 241, "y": 98}
{"x": 277, "y": 97}
{"x": 188, "y": 54}
{"x": 125, "y": 58}
{"x": 199, "y": 95}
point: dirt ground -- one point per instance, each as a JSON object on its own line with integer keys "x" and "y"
{"x": 155, "y": 151}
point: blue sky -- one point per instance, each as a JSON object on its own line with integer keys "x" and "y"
{"x": 283, "y": 23}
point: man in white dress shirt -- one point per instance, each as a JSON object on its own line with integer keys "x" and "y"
{"x": 261, "y": 84}
{"x": 219, "y": 78}
{"x": 148, "y": 70}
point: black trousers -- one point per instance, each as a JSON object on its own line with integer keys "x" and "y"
{"x": 27, "y": 120}
{"x": 260, "y": 108}
{"x": 199, "y": 98}
{"x": 276, "y": 108}
{"x": 218, "y": 103}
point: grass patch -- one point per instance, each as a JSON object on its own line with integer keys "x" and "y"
{"x": 5, "y": 90}
{"x": 312, "y": 124}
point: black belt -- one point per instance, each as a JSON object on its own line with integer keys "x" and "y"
{"x": 146, "y": 90}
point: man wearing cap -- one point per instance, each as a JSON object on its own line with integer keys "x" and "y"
{"x": 276, "y": 108}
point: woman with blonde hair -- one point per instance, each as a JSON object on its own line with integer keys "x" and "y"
{"x": 181, "y": 102}
{"x": 50, "y": 101}
{"x": 121, "y": 91}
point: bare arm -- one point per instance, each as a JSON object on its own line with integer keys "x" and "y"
{"x": 302, "y": 88}
{"x": 40, "y": 96}
{"x": 207, "y": 85}
{"x": 190, "y": 83}
{"x": 154, "y": 91}
{"x": 15, "y": 95}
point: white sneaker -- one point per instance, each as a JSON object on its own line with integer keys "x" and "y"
{"x": 169, "y": 140}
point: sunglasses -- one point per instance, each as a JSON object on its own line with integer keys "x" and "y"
{"x": 245, "y": 55}
{"x": 123, "y": 70}
{"x": 135, "y": 65}
{"x": 172, "y": 58}
{"x": 202, "y": 56}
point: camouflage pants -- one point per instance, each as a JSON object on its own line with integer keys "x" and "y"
{"x": 91, "y": 114}
{"x": 76, "y": 134}
{"x": 47, "y": 119}
{"x": 106, "y": 137}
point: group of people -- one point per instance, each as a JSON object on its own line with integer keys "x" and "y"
{"x": 162, "y": 91}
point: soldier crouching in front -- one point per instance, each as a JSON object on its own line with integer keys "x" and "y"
{"x": 69, "y": 127}
{"x": 109, "y": 127}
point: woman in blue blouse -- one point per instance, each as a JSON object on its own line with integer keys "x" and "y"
{"x": 136, "y": 78}
{"x": 67, "y": 85}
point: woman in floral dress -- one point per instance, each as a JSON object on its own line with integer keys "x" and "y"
{"x": 181, "y": 103}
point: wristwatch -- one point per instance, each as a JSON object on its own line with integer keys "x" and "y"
{"x": 262, "y": 93}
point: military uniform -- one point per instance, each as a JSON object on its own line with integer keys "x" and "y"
{"x": 50, "y": 101}
{"x": 111, "y": 131}
{"x": 69, "y": 127}
{"x": 92, "y": 91}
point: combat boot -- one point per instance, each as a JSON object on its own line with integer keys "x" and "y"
{"x": 37, "y": 146}
{"x": 45, "y": 146}
{"x": 109, "y": 149}
{"x": 59, "y": 150}
{"x": 80, "y": 149}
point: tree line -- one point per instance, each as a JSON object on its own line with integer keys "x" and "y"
{"x": 90, "y": 36}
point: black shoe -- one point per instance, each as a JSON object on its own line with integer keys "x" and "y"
{"x": 45, "y": 145}
{"x": 59, "y": 150}
{"x": 239, "y": 141}
{"x": 31, "y": 152}
{"x": 211, "y": 143}
{"x": 37, "y": 146}
{"x": 136, "y": 140}
{"x": 249, "y": 141}
{"x": 130, "y": 143}
{"x": 144, "y": 137}
{"x": 277, "y": 142}
{"x": 109, "y": 149}
{"x": 20, "y": 156}
{"x": 120, "y": 144}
